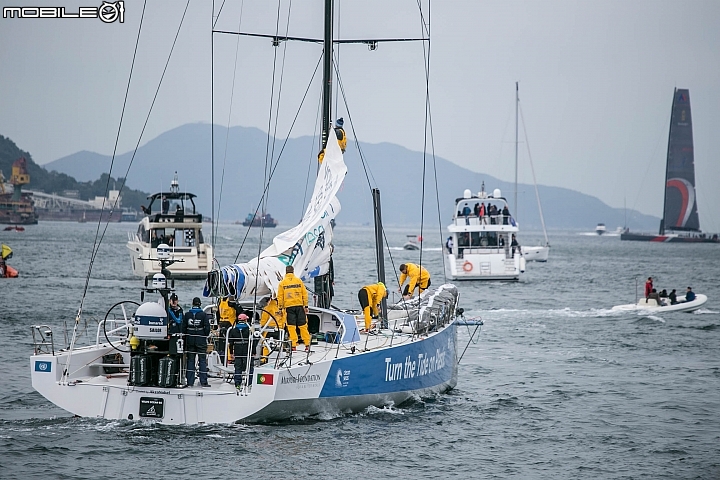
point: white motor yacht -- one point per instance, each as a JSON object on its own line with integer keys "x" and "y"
{"x": 482, "y": 244}
{"x": 177, "y": 223}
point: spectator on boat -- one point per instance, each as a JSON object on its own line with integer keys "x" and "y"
{"x": 673, "y": 297}
{"x": 196, "y": 329}
{"x": 648, "y": 286}
{"x": 664, "y": 294}
{"x": 476, "y": 210}
{"x": 653, "y": 295}
{"x": 463, "y": 243}
{"x": 145, "y": 210}
{"x": 417, "y": 277}
{"x": 466, "y": 213}
{"x": 689, "y": 295}
{"x": 506, "y": 215}
{"x": 165, "y": 205}
{"x": 514, "y": 245}
{"x": 492, "y": 212}
{"x": 481, "y": 214}
{"x": 240, "y": 341}
{"x": 293, "y": 303}
{"x": 501, "y": 242}
{"x": 340, "y": 134}
{"x": 449, "y": 244}
{"x": 370, "y": 297}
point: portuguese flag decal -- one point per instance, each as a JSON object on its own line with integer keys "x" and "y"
{"x": 265, "y": 379}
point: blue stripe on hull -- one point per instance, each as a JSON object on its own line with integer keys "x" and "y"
{"x": 416, "y": 366}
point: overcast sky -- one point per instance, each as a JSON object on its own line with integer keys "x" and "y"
{"x": 596, "y": 83}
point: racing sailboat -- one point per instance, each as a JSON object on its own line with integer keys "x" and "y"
{"x": 130, "y": 371}
{"x": 680, "y": 222}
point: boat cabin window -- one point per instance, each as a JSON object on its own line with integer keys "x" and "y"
{"x": 175, "y": 237}
{"x": 143, "y": 235}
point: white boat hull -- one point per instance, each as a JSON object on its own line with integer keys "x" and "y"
{"x": 195, "y": 264}
{"x": 484, "y": 266}
{"x": 535, "y": 254}
{"x": 324, "y": 385}
{"x": 652, "y": 307}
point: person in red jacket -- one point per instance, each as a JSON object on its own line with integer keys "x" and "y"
{"x": 648, "y": 287}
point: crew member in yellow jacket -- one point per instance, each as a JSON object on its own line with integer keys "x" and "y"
{"x": 370, "y": 297}
{"x": 271, "y": 317}
{"x": 292, "y": 298}
{"x": 341, "y": 139}
{"x": 417, "y": 277}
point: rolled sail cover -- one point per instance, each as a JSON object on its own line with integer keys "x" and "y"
{"x": 430, "y": 310}
{"x": 306, "y": 246}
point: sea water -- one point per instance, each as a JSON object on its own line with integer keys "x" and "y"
{"x": 555, "y": 386}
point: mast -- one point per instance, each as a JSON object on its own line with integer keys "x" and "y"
{"x": 327, "y": 73}
{"x": 517, "y": 102}
{"x": 380, "y": 256}
{"x": 323, "y": 282}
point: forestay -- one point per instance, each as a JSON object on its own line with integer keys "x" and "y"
{"x": 306, "y": 246}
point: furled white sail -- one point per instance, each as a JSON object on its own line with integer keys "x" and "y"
{"x": 306, "y": 246}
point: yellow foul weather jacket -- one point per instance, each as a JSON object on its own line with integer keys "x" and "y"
{"x": 416, "y": 275}
{"x": 376, "y": 293}
{"x": 291, "y": 292}
{"x": 270, "y": 312}
{"x": 227, "y": 313}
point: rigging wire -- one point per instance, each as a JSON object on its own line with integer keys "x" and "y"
{"x": 532, "y": 168}
{"x": 366, "y": 168}
{"x": 268, "y": 151}
{"x": 227, "y": 133}
{"x": 277, "y": 161}
{"x": 96, "y": 244}
{"x": 313, "y": 158}
{"x": 426, "y": 28}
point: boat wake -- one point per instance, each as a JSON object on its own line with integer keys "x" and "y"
{"x": 425, "y": 249}
{"x": 551, "y": 313}
{"x": 703, "y": 311}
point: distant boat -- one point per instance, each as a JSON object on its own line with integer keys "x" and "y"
{"x": 538, "y": 253}
{"x": 650, "y": 305}
{"x": 600, "y": 229}
{"x": 265, "y": 220}
{"x": 14, "y": 228}
{"x": 412, "y": 242}
{"x": 680, "y": 222}
{"x": 482, "y": 244}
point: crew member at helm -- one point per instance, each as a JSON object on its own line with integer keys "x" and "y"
{"x": 239, "y": 338}
{"x": 370, "y": 297}
{"x": 196, "y": 328}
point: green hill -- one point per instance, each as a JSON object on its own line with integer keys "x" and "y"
{"x": 55, "y": 182}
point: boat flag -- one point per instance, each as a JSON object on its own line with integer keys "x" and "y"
{"x": 265, "y": 378}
